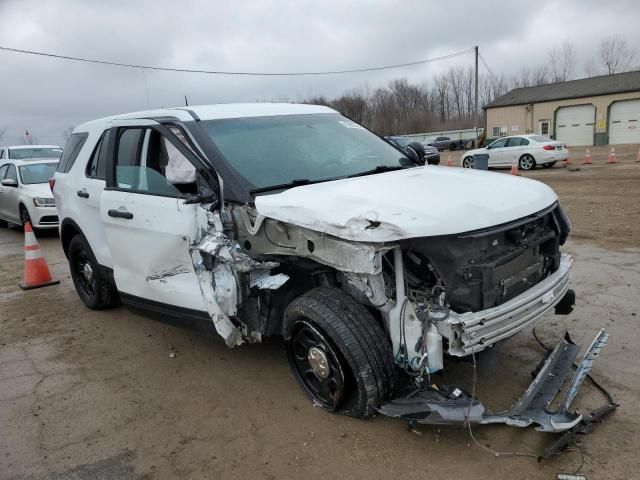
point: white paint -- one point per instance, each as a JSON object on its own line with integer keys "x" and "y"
{"x": 417, "y": 202}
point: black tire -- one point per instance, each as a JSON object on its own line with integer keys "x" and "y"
{"x": 453, "y": 147}
{"x": 356, "y": 346}
{"x": 24, "y": 215}
{"x": 4, "y": 223}
{"x": 527, "y": 162}
{"x": 467, "y": 162}
{"x": 95, "y": 289}
{"x": 548, "y": 165}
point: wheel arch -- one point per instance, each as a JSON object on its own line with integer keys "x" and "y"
{"x": 68, "y": 230}
{"x": 525, "y": 154}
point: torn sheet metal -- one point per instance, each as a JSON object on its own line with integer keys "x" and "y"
{"x": 263, "y": 280}
{"x": 446, "y": 406}
{"x": 224, "y": 326}
{"x": 223, "y": 249}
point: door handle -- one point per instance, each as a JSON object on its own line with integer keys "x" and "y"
{"x": 82, "y": 193}
{"x": 120, "y": 214}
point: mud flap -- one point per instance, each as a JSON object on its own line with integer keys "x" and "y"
{"x": 449, "y": 405}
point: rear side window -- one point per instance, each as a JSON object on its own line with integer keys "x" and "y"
{"x": 71, "y": 151}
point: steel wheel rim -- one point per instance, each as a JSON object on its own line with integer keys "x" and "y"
{"x": 526, "y": 162}
{"x": 326, "y": 389}
{"x": 83, "y": 268}
{"x": 468, "y": 162}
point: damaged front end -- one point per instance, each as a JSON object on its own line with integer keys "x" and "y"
{"x": 454, "y": 295}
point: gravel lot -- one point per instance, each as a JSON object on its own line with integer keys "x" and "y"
{"x": 87, "y": 394}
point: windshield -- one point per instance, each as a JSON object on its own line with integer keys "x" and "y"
{"x": 26, "y": 153}
{"x": 37, "y": 173}
{"x": 277, "y": 150}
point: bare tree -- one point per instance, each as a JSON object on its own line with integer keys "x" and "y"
{"x": 616, "y": 55}
{"x": 539, "y": 75}
{"x": 2, "y": 132}
{"x": 562, "y": 62}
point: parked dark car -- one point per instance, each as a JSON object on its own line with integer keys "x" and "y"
{"x": 427, "y": 153}
{"x": 446, "y": 143}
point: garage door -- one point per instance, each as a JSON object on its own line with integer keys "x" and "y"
{"x": 575, "y": 125}
{"x": 624, "y": 122}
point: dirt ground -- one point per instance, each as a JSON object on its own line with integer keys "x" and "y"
{"x": 96, "y": 395}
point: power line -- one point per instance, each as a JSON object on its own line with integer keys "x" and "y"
{"x": 484, "y": 62}
{"x": 222, "y": 72}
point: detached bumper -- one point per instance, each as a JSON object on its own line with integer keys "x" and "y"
{"x": 450, "y": 406}
{"x": 475, "y": 331}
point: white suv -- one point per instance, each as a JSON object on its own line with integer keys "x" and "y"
{"x": 292, "y": 220}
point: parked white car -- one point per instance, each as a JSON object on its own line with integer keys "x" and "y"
{"x": 292, "y": 220}
{"x": 525, "y": 151}
{"x": 25, "y": 195}
{"x": 27, "y": 152}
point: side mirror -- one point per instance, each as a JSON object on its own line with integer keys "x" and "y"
{"x": 9, "y": 182}
{"x": 415, "y": 151}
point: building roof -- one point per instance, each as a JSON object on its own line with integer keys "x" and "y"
{"x": 584, "y": 87}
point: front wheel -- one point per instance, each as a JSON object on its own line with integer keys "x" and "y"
{"x": 527, "y": 162}
{"x": 467, "y": 162}
{"x": 339, "y": 355}
{"x": 95, "y": 289}
{"x": 24, "y": 215}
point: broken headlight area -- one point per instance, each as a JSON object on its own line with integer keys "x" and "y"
{"x": 447, "y": 405}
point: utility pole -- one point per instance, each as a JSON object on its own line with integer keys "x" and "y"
{"x": 475, "y": 111}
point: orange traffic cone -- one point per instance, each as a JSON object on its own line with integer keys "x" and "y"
{"x": 36, "y": 270}
{"x": 612, "y": 156}
{"x": 514, "y": 168}
{"x": 449, "y": 161}
{"x": 587, "y": 158}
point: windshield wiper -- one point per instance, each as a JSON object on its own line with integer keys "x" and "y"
{"x": 379, "y": 169}
{"x": 293, "y": 183}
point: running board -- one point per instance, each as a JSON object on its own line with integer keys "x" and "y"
{"x": 449, "y": 405}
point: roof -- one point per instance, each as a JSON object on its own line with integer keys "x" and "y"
{"x": 29, "y": 161}
{"x": 220, "y": 111}
{"x": 584, "y": 87}
{"x": 19, "y": 147}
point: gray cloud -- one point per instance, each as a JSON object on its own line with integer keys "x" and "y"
{"x": 48, "y": 95}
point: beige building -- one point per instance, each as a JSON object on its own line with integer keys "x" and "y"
{"x": 590, "y": 111}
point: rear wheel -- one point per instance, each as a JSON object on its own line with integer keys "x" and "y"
{"x": 527, "y": 162}
{"x": 96, "y": 290}
{"x": 467, "y": 162}
{"x": 338, "y": 353}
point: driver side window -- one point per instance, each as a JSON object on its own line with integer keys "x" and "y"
{"x": 148, "y": 162}
{"x": 498, "y": 143}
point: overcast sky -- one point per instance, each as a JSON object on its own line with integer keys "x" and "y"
{"x": 47, "y": 96}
